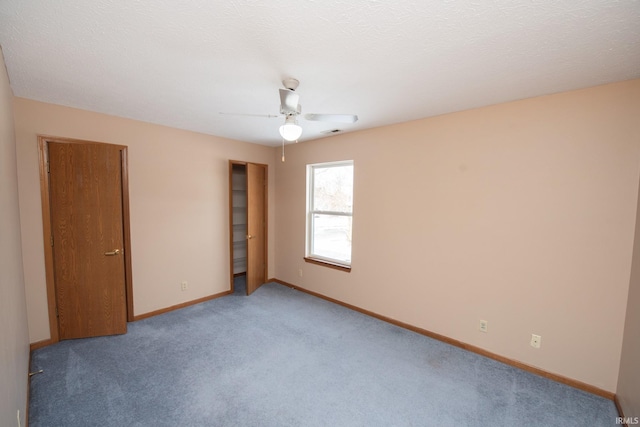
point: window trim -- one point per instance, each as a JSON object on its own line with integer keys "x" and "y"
{"x": 330, "y": 264}
{"x": 314, "y": 258}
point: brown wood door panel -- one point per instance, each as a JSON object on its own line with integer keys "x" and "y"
{"x": 256, "y": 226}
{"x": 86, "y": 198}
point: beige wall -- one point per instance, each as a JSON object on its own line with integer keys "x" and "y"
{"x": 629, "y": 378}
{"x": 14, "y": 350}
{"x": 522, "y": 214}
{"x": 178, "y": 186}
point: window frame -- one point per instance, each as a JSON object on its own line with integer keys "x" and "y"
{"x": 309, "y": 255}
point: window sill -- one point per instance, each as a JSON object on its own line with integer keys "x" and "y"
{"x": 334, "y": 265}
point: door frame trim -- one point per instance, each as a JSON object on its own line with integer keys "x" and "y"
{"x": 266, "y": 218}
{"x": 43, "y": 158}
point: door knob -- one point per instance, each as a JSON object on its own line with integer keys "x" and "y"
{"x": 249, "y": 236}
{"x": 113, "y": 252}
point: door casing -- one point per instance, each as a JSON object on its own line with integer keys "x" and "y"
{"x": 43, "y": 140}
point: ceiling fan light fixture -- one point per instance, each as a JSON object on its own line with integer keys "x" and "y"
{"x": 290, "y": 130}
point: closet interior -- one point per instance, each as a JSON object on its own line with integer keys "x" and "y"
{"x": 239, "y": 218}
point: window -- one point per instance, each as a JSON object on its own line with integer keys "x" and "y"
{"x": 330, "y": 213}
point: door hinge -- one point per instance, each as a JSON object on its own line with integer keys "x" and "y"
{"x": 51, "y": 240}
{"x": 48, "y": 167}
{"x": 57, "y": 315}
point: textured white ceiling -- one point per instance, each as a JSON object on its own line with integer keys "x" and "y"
{"x": 181, "y": 63}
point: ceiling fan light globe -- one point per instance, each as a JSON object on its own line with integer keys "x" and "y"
{"x": 290, "y": 131}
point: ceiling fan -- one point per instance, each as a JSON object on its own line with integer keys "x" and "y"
{"x": 290, "y": 108}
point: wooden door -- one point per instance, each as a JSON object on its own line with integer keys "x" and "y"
{"x": 256, "y": 226}
{"x": 86, "y": 199}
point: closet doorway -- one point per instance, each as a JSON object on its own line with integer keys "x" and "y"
{"x": 248, "y": 223}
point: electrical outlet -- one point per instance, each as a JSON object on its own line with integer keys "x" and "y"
{"x": 299, "y": 272}
{"x": 184, "y": 285}
{"x": 484, "y": 326}
{"x": 536, "y": 340}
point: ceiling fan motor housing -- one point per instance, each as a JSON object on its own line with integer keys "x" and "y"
{"x": 287, "y": 112}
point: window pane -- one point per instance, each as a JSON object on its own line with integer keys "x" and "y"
{"x": 332, "y": 237}
{"x": 333, "y": 188}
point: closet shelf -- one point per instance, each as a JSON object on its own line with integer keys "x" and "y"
{"x": 239, "y": 219}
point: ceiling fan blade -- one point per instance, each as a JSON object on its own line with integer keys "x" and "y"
{"x": 270, "y": 116}
{"x": 289, "y": 101}
{"x": 336, "y": 118}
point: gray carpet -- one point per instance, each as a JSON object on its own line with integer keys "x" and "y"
{"x": 284, "y": 358}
